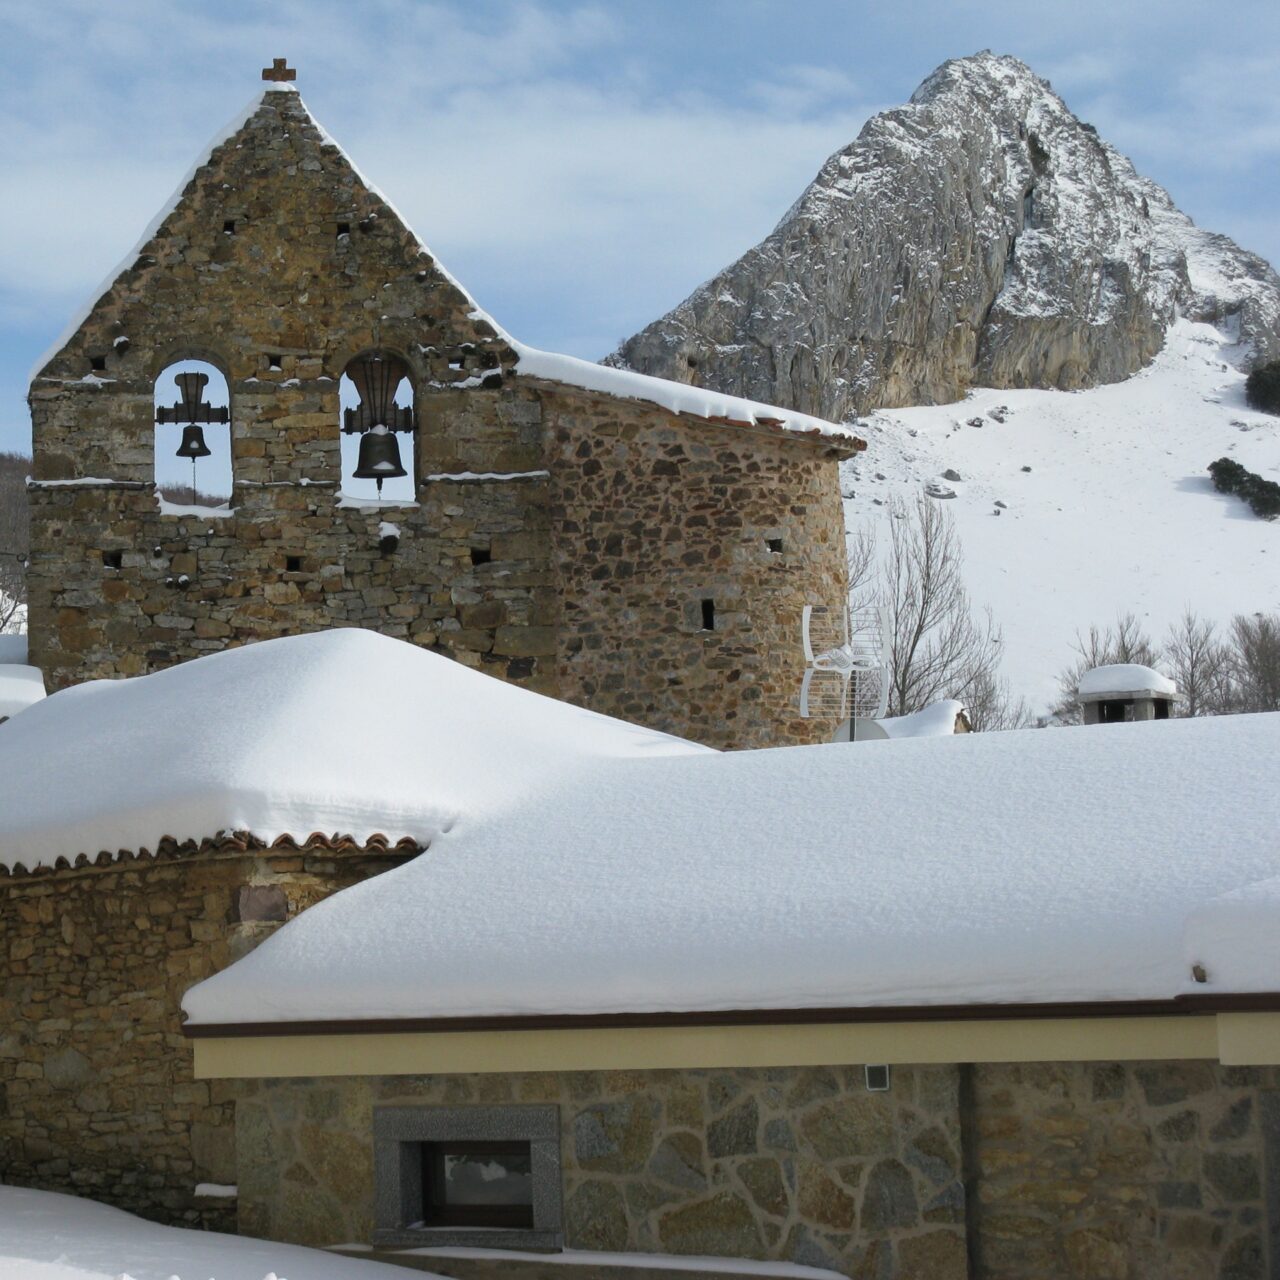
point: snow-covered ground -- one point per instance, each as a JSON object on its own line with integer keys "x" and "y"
{"x": 44, "y": 1236}
{"x": 1116, "y": 513}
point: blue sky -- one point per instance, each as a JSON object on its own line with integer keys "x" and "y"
{"x": 581, "y": 167}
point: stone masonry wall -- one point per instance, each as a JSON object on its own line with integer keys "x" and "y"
{"x": 279, "y": 266}
{"x": 1083, "y": 1171}
{"x": 96, "y": 1089}
{"x": 650, "y": 517}
{"x": 800, "y": 1164}
{"x": 1111, "y": 1171}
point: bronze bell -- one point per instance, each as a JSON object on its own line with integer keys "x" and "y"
{"x": 379, "y": 457}
{"x": 193, "y": 445}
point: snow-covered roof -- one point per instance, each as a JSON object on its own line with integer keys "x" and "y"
{"x": 1123, "y": 677}
{"x": 675, "y": 397}
{"x": 21, "y": 686}
{"x": 531, "y": 362}
{"x": 937, "y": 720}
{"x": 353, "y": 733}
{"x": 667, "y": 880}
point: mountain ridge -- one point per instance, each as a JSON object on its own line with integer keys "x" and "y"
{"x": 980, "y": 234}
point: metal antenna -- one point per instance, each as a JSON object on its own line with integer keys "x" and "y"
{"x": 847, "y": 672}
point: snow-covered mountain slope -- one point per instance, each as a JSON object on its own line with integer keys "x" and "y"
{"x": 1115, "y": 513}
{"x": 980, "y": 235}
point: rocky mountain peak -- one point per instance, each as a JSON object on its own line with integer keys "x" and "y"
{"x": 979, "y": 234}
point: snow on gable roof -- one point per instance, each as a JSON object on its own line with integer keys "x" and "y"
{"x": 804, "y": 877}
{"x": 1124, "y": 677}
{"x": 676, "y": 397}
{"x": 352, "y": 732}
{"x": 228, "y": 130}
{"x": 569, "y": 370}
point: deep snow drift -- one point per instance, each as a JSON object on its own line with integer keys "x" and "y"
{"x": 342, "y": 731}
{"x": 1108, "y": 504}
{"x": 44, "y": 1236}
{"x": 1040, "y": 865}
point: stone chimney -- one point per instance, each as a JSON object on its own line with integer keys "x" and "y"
{"x": 1125, "y": 691}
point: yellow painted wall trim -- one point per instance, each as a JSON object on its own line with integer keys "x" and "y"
{"x": 1253, "y": 1038}
{"x": 1249, "y": 1039}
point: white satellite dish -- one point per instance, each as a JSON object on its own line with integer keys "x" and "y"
{"x": 846, "y": 664}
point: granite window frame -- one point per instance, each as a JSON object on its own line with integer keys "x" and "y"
{"x": 399, "y": 1136}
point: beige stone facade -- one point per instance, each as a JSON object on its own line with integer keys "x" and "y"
{"x": 559, "y": 538}
{"x": 1080, "y": 1171}
{"x": 804, "y": 1165}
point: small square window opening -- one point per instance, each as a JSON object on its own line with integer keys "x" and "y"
{"x": 481, "y": 555}
{"x": 774, "y": 545}
{"x": 293, "y": 564}
{"x": 113, "y": 559}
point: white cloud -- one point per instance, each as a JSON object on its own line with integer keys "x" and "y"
{"x": 584, "y": 207}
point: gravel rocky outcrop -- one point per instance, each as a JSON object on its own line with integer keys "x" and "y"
{"x": 979, "y": 235}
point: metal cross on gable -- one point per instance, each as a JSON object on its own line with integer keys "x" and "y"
{"x": 279, "y": 70}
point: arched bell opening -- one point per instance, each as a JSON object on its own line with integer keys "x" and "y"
{"x": 193, "y": 435}
{"x": 377, "y": 428}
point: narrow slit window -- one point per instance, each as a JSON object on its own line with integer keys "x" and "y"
{"x": 229, "y": 227}
{"x": 708, "y": 615}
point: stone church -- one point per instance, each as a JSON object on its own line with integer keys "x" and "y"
{"x": 617, "y": 541}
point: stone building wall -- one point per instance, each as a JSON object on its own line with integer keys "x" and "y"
{"x": 801, "y": 1164}
{"x": 650, "y": 517}
{"x": 1082, "y": 1171}
{"x": 96, "y": 1088}
{"x": 278, "y": 266}
{"x": 1110, "y": 1171}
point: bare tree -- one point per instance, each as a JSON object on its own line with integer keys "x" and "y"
{"x": 1255, "y": 662}
{"x": 863, "y": 586}
{"x": 937, "y": 648}
{"x": 14, "y": 468}
{"x": 1200, "y": 665}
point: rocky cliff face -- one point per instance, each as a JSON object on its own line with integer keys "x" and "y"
{"x": 979, "y": 235}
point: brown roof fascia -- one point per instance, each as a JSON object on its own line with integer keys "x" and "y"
{"x": 1177, "y": 1006}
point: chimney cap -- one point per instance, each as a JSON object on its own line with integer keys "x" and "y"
{"x": 1122, "y": 680}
